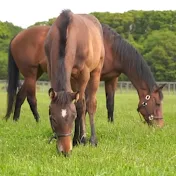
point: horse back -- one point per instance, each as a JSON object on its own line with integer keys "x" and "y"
{"x": 86, "y": 36}
{"x": 28, "y": 47}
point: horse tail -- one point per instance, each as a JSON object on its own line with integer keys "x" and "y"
{"x": 13, "y": 78}
{"x": 64, "y": 21}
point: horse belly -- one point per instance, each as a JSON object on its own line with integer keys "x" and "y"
{"x": 109, "y": 75}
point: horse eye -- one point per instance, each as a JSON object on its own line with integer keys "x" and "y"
{"x": 158, "y": 103}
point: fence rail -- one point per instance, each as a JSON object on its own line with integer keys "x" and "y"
{"x": 122, "y": 86}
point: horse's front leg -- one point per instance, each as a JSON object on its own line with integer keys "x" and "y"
{"x": 80, "y": 128}
{"x": 91, "y": 102}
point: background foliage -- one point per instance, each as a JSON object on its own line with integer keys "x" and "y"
{"x": 152, "y": 33}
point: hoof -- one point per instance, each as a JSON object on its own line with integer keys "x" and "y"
{"x": 93, "y": 141}
{"x": 37, "y": 118}
{"x": 83, "y": 140}
{"x": 75, "y": 142}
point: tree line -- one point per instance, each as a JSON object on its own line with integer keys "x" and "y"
{"x": 152, "y": 33}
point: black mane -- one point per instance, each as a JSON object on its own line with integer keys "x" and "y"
{"x": 62, "y": 24}
{"x": 129, "y": 56}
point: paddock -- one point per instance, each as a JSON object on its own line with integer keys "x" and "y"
{"x": 126, "y": 147}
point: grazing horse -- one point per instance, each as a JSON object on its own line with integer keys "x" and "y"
{"x": 119, "y": 57}
{"x": 26, "y": 55}
{"x": 75, "y": 51}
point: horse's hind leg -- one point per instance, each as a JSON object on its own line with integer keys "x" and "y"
{"x": 31, "y": 91}
{"x": 31, "y": 98}
{"x": 21, "y": 95}
{"x": 110, "y": 87}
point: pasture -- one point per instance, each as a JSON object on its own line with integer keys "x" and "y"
{"x": 127, "y": 147}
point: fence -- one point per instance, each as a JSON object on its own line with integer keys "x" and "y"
{"x": 122, "y": 87}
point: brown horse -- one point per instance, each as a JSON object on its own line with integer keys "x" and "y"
{"x": 118, "y": 55}
{"x": 26, "y": 54}
{"x": 74, "y": 48}
{"x": 121, "y": 57}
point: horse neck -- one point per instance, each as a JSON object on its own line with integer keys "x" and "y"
{"x": 140, "y": 85}
{"x": 57, "y": 86}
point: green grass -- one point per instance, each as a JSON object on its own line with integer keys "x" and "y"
{"x": 127, "y": 147}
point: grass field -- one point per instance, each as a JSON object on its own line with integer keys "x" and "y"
{"x": 127, "y": 147}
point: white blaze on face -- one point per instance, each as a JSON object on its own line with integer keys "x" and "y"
{"x": 64, "y": 113}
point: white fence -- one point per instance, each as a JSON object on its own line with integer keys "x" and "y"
{"x": 122, "y": 87}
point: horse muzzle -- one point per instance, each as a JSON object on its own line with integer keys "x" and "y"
{"x": 64, "y": 145}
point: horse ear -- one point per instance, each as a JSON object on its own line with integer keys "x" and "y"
{"x": 160, "y": 87}
{"x": 75, "y": 96}
{"x": 51, "y": 93}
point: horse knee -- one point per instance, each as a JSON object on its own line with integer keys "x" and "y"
{"x": 91, "y": 106}
{"x": 80, "y": 106}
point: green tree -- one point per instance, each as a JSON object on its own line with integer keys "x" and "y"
{"x": 160, "y": 53}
